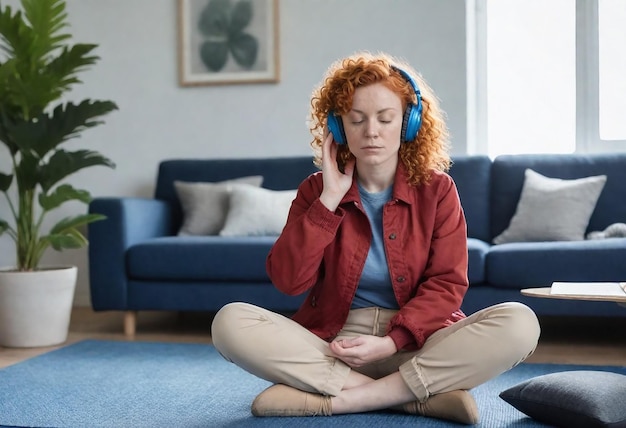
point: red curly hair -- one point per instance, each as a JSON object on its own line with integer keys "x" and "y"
{"x": 428, "y": 151}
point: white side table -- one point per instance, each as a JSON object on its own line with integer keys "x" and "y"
{"x": 544, "y": 292}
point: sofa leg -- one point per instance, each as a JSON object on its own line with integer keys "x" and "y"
{"x": 130, "y": 323}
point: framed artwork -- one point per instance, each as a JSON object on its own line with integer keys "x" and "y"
{"x": 227, "y": 41}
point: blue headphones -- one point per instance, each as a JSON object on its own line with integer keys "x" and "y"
{"x": 411, "y": 121}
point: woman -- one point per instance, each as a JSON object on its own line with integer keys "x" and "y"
{"x": 378, "y": 240}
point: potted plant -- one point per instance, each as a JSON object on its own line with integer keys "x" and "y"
{"x": 38, "y": 66}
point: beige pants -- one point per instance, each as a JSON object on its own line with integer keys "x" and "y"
{"x": 462, "y": 356}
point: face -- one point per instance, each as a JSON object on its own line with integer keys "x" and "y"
{"x": 374, "y": 125}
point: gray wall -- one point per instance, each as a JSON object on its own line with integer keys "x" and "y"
{"x": 158, "y": 119}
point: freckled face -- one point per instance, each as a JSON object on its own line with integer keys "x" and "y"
{"x": 374, "y": 125}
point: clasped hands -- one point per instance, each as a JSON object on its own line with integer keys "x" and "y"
{"x": 361, "y": 350}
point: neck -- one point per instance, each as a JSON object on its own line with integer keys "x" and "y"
{"x": 376, "y": 178}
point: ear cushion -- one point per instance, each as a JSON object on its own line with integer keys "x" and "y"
{"x": 412, "y": 119}
{"x": 335, "y": 125}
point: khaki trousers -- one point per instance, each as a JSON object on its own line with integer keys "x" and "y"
{"x": 461, "y": 356}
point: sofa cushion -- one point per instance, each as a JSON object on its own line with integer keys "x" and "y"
{"x": 553, "y": 209}
{"x": 257, "y": 212}
{"x": 538, "y": 264}
{"x": 205, "y": 205}
{"x": 507, "y": 179}
{"x": 200, "y": 258}
{"x": 219, "y": 258}
{"x": 477, "y": 256}
{"x": 472, "y": 175}
{"x": 281, "y": 173}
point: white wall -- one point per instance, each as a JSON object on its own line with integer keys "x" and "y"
{"x": 158, "y": 119}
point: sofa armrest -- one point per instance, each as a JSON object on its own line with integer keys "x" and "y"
{"x": 128, "y": 221}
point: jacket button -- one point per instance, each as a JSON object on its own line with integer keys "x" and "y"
{"x": 392, "y": 236}
{"x": 313, "y": 301}
{"x": 401, "y": 279}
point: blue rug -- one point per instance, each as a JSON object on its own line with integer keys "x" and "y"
{"x": 98, "y": 383}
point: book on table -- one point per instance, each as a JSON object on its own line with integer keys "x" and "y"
{"x": 613, "y": 289}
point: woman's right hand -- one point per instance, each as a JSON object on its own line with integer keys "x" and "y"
{"x": 336, "y": 183}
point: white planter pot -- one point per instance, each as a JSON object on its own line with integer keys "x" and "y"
{"x": 35, "y": 307}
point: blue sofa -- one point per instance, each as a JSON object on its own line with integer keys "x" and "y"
{"x": 138, "y": 262}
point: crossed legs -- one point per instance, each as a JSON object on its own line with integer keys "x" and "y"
{"x": 458, "y": 357}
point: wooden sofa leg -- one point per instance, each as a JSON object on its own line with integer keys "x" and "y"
{"x": 130, "y": 323}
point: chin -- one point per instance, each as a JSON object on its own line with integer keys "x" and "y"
{"x": 374, "y": 160}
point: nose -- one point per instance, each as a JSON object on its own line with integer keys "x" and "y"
{"x": 371, "y": 130}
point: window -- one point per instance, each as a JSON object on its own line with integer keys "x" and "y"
{"x": 547, "y": 76}
{"x": 612, "y": 69}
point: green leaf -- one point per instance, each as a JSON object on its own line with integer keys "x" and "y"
{"x": 214, "y": 55}
{"x": 13, "y": 31}
{"x": 40, "y": 85}
{"x": 61, "y": 195}
{"x": 71, "y": 239}
{"x": 7, "y": 70}
{"x": 44, "y": 133}
{"x": 244, "y": 48}
{"x": 31, "y": 39}
{"x": 5, "y": 132}
{"x": 47, "y": 18}
{"x": 69, "y": 62}
{"x": 4, "y": 226}
{"x": 6, "y": 139}
{"x": 215, "y": 18}
{"x": 5, "y": 182}
{"x": 63, "y": 163}
{"x": 27, "y": 172}
{"x": 69, "y": 223}
{"x": 241, "y": 16}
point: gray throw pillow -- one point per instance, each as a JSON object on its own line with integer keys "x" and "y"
{"x": 255, "y": 211}
{"x": 553, "y": 209}
{"x": 572, "y": 399}
{"x": 205, "y": 205}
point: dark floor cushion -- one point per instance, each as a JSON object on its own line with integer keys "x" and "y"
{"x": 572, "y": 399}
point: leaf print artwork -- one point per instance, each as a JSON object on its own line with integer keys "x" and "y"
{"x": 227, "y": 41}
{"x": 223, "y": 26}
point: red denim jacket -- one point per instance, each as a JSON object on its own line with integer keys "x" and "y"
{"x": 323, "y": 252}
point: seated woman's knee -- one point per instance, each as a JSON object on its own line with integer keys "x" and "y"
{"x": 523, "y": 329}
{"x": 225, "y": 324}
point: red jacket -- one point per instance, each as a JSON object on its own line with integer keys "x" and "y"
{"x": 324, "y": 252}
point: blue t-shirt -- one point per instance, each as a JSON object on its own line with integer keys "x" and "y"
{"x": 375, "y": 287}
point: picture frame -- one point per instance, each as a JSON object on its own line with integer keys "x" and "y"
{"x": 227, "y": 41}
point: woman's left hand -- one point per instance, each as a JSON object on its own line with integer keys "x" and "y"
{"x": 361, "y": 350}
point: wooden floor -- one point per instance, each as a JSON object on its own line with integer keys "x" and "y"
{"x": 595, "y": 341}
